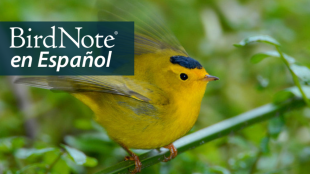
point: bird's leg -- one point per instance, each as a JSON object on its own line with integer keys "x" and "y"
{"x": 173, "y": 152}
{"x": 133, "y": 157}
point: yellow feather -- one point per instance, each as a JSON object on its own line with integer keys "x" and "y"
{"x": 138, "y": 124}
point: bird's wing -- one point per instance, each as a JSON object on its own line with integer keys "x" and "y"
{"x": 119, "y": 85}
{"x": 151, "y": 34}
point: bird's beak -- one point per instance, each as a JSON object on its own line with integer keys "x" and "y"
{"x": 210, "y": 78}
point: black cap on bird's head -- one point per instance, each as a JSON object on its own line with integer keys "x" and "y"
{"x": 190, "y": 63}
{"x": 186, "y": 62}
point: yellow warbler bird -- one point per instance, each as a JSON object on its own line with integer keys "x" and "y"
{"x": 158, "y": 104}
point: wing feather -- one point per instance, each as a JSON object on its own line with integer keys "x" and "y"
{"x": 118, "y": 85}
{"x": 151, "y": 36}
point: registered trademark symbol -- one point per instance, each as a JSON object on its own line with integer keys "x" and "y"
{"x": 115, "y": 32}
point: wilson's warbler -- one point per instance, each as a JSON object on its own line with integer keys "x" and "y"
{"x": 157, "y": 105}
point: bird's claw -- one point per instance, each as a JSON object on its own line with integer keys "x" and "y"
{"x": 173, "y": 152}
{"x": 138, "y": 164}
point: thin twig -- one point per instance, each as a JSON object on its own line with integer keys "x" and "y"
{"x": 295, "y": 78}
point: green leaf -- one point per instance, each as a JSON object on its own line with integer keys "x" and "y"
{"x": 238, "y": 141}
{"x": 262, "y": 82}
{"x": 261, "y": 56}
{"x": 89, "y": 142}
{"x": 61, "y": 167}
{"x": 264, "y": 39}
{"x": 302, "y": 72}
{"x": 256, "y": 58}
{"x": 296, "y": 92}
{"x": 243, "y": 160}
{"x": 55, "y": 163}
{"x": 24, "y": 153}
{"x": 282, "y": 96}
{"x": 291, "y": 92}
{"x": 78, "y": 156}
{"x": 264, "y": 145}
{"x": 91, "y": 162}
{"x": 275, "y": 126}
{"x": 304, "y": 155}
{"x": 10, "y": 144}
{"x": 33, "y": 168}
{"x": 84, "y": 124}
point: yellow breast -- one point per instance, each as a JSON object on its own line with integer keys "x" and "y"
{"x": 138, "y": 124}
{"x": 143, "y": 125}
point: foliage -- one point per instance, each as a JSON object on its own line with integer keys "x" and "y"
{"x": 297, "y": 71}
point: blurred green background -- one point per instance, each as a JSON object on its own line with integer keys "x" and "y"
{"x": 32, "y": 119}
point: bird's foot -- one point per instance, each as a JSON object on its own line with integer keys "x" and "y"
{"x": 138, "y": 164}
{"x": 173, "y": 152}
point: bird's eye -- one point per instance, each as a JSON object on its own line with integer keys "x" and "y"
{"x": 183, "y": 76}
